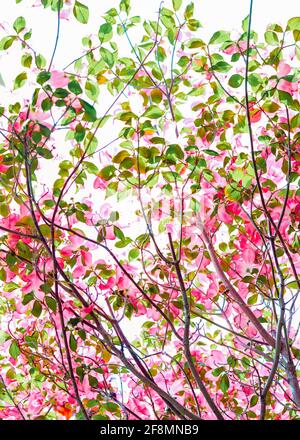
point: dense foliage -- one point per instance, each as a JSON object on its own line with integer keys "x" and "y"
{"x": 154, "y": 275}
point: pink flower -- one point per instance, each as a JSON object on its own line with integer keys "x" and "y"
{"x": 110, "y": 233}
{"x": 58, "y": 79}
{"x": 223, "y": 215}
{"x": 233, "y": 48}
{"x": 287, "y": 86}
{"x": 33, "y": 283}
{"x": 66, "y": 251}
{"x": 218, "y": 357}
{"x": 86, "y": 258}
{"x": 79, "y": 271}
{"x": 105, "y": 210}
{"x": 86, "y": 311}
{"x": 109, "y": 284}
{"x": 99, "y": 183}
{"x": 283, "y": 69}
{"x": 248, "y": 256}
{"x": 64, "y": 15}
{"x": 274, "y": 171}
{"x": 255, "y": 115}
{"x": 39, "y": 116}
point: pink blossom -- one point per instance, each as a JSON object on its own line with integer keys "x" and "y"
{"x": 223, "y": 215}
{"x": 58, "y": 79}
{"x": 283, "y": 69}
{"x": 100, "y": 183}
{"x": 287, "y": 86}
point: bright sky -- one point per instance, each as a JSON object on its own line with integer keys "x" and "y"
{"x": 213, "y": 14}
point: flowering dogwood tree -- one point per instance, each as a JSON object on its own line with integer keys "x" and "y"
{"x": 156, "y": 275}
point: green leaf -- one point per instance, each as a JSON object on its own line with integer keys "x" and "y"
{"x": 82, "y": 334}
{"x": 3, "y": 336}
{"x": 208, "y": 175}
{"x": 193, "y": 24}
{"x": 253, "y": 400}
{"x": 252, "y": 299}
{"x": 20, "y": 80}
{"x": 167, "y": 19}
{"x": 24, "y": 250}
{"x": 79, "y": 133}
{"x": 2, "y": 274}
{"x": 27, "y": 298}
{"x": 224, "y": 146}
{"x": 174, "y": 152}
{"x": 107, "y": 57}
{"x": 32, "y": 341}
{"x": 295, "y": 121}
{"x": 176, "y": 4}
{"x": 51, "y": 303}
{"x": 133, "y": 254}
{"x": 211, "y": 152}
{"x": 221, "y": 66}
{"x": 46, "y": 288}
{"x": 285, "y": 98}
{"x": 75, "y": 87}
{"x": 217, "y": 371}
{"x": 232, "y": 361}
{"x": 194, "y": 43}
{"x": 124, "y": 243}
{"x": 26, "y": 60}
{"x": 40, "y": 61}
{"x": 296, "y": 35}
{"x": 93, "y": 381}
{"x": 107, "y": 172}
{"x": 251, "y": 415}
{"x": 235, "y": 80}
{"x": 72, "y": 342}
{"x": 6, "y": 42}
{"x": 46, "y": 104}
{"x": 270, "y": 107}
{"x": 120, "y": 156}
{"x": 90, "y": 112}
{"x": 153, "y": 112}
{"x": 81, "y": 12}
{"x": 189, "y": 11}
{"x": 4, "y": 210}
{"x": 125, "y": 6}
{"x": 245, "y": 23}
{"x": 91, "y": 143}
{"x": 92, "y": 90}
{"x": 219, "y": 37}
{"x": 118, "y": 233}
{"x": 43, "y": 77}
{"x": 92, "y": 403}
{"x": 105, "y": 32}
{"x": 271, "y": 38}
{"x": 61, "y": 93}
{"x": 111, "y": 407}
{"x": 254, "y": 80}
{"x": 224, "y": 383}
{"x": 36, "y": 309}
{"x": 19, "y": 24}
{"x": 294, "y": 24}
{"x": 14, "y": 350}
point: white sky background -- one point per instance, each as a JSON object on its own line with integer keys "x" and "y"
{"x": 213, "y": 15}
